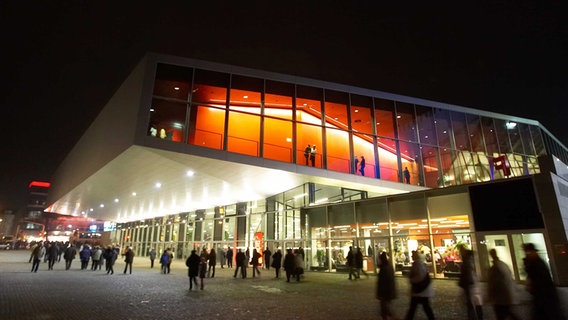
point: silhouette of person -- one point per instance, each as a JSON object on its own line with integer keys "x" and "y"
{"x": 192, "y": 264}
{"x": 386, "y": 290}
{"x": 307, "y": 153}
{"x": 406, "y": 174}
{"x": 501, "y": 288}
{"x": 421, "y": 285}
{"x": 545, "y": 304}
{"x": 313, "y": 153}
{"x": 362, "y": 166}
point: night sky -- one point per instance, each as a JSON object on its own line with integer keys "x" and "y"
{"x": 62, "y": 60}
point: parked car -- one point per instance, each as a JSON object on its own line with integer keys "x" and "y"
{"x": 7, "y": 243}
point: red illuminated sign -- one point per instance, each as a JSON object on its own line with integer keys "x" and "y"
{"x": 39, "y": 184}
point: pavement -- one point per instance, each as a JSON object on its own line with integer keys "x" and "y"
{"x": 148, "y": 294}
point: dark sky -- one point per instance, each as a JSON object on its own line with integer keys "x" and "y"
{"x": 62, "y": 60}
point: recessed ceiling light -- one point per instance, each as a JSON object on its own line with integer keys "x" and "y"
{"x": 116, "y": 200}
{"x": 246, "y": 97}
{"x": 189, "y": 173}
{"x": 176, "y": 88}
{"x": 102, "y": 205}
{"x": 134, "y": 194}
{"x": 158, "y": 185}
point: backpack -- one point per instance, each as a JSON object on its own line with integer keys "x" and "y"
{"x": 165, "y": 259}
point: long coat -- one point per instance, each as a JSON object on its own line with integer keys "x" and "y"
{"x": 277, "y": 260}
{"x": 386, "y": 289}
{"x": 192, "y": 264}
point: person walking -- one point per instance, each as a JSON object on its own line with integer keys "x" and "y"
{"x": 241, "y": 261}
{"x": 255, "y": 262}
{"x": 110, "y": 257}
{"x": 229, "y": 256}
{"x": 386, "y": 290}
{"x": 467, "y": 282}
{"x": 421, "y": 287}
{"x": 359, "y": 263}
{"x": 202, "y": 269}
{"x": 170, "y": 259}
{"x": 351, "y": 264}
{"x": 277, "y": 262}
{"x": 37, "y": 253}
{"x": 69, "y": 255}
{"x": 152, "y": 255}
{"x": 299, "y": 264}
{"x": 97, "y": 253}
{"x": 267, "y": 254}
{"x": 164, "y": 261}
{"x": 53, "y": 253}
{"x": 212, "y": 263}
{"x": 222, "y": 257}
{"x": 289, "y": 264}
{"x": 192, "y": 264}
{"x": 501, "y": 288}
{"x": 128, "y": 259}
{"x": 545, "y": 304}
{"x": 85, "y": 256}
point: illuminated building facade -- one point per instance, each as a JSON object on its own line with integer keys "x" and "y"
{"x": 193, "y": 154}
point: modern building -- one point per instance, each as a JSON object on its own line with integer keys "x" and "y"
{"x": 193, "y": 154}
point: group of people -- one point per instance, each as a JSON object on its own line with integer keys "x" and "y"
{"x": 359, "y": 164}
{"x": 354, "y": 261}
{"x": 310, "y": 154}
{"x": 98, "y": 256}
{"x": 501, "y": 288}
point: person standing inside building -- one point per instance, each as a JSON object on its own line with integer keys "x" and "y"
{"x": 307, "y": 153}
{"x": 277, "y": 262}
{"x": 222, "y": 256}
{"x": 406, "y": 174}
{"x": 267, "y": 255}
{"x": 355, "y": 164}
{"x": 362, "y": 166}
{"x": 386, "y": 290}
{"x": 229, "y": 256}
{"x": 128, "y": 259}
{"x": 152, "y": 255}
{"x": 313, "y": 153}
{"x": 501, "y": 288}
{"x": 545, "y": 304}
{"x": 421, "y": 287}
{"x": 192, "y": 264}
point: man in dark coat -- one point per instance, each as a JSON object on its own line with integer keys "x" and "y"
{"x": 212, "y": 263}
{"x": 128, "y": 259}
{"x": 229, "y": 256}
{"x": 192, "y": 264}
{"x": 277, "y": 262}
{"x": 539, "y": 284}
{"x": 110, "y": 257}
{"x": 267, "y": 254}
{"x": 289, "y": 264}
{"x": 241, "y": 261}
{"x": 69, "y": 255}
{"x": 386, "y": 290}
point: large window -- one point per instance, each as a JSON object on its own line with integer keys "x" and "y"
{"x": 244, "y": 116}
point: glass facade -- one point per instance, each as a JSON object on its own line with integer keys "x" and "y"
{"x": 339, "y": 131}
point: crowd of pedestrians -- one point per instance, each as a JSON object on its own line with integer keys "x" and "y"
{"x": 501, "y": 292}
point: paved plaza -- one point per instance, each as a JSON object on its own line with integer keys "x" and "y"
{"x": 147, "y": 294}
